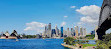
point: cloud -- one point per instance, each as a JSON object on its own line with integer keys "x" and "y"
{"x": 90, "y": 14}
{"x": 35, "y": 26}
{"x": 72, "y": 6}
{"x": 63, "y": 23}
{"x": 65, "y": 16}
{"x": 88, "y": 19}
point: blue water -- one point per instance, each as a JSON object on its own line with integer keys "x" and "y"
{"x": 34, "y": 44}
{"x": 31, "y": 44}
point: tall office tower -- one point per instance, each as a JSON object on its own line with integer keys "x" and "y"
{"x": 57, "y": 30}
{"x": 59, "y": 35}
{"x": 61, "y": 31}
{"x": 45, "y": 32}
{"x": 84, "y": 31}
{"x": 72, "y": 31}
{"x": 53, "y": 33}
{"x": 76, "y": 31}
{"x": 81, "y": 31}
{"x": 64, "y": 33}
{"x": 96, "y": 36}
{"x": 67, "y": 32}
{"x": 49, "y": 30}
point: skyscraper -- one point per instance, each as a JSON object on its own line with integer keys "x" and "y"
{"x": 72, "y": 31}
{"x": 57, "y": 30}
{"x": 68, "y": 33}
{"x": 61, "y": 31}
{"x": 49, "y": 30}
{"x": 96, "y": 36}
{"x": 84, "y": 32}
{"x": 81, "y": 31}
{"x": 45, "y": 32}
{"x": 64, "y": 33}
{"x": 53, "y": 33}
{"x": 76, "y": 31}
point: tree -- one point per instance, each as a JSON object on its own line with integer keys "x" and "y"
{"x": 90, "y": 36}
{"x": 69, "y": 40}
{"x": 105, "y": 43}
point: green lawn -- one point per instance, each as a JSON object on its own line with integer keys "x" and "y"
{"x": 85, "y": 45}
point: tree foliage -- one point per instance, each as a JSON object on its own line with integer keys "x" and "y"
{"x": 105, "y": 43}
{"x": 69, "y": 40}
{"x": 29, "y": 36}
{"x": 90, "y": 36}
{"x": 72, "y": 41}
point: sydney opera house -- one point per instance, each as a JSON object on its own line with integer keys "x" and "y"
{"x": 6, "y": 35}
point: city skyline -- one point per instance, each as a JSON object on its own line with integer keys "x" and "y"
{"x": 61, "y": 33}
{"x": 30, "y": 17}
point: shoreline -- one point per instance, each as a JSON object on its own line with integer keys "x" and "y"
{"x": 69, "y": 46}
{"x": 76, "y": 47}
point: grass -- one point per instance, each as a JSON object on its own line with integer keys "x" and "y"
{"x": 85, "y": 45}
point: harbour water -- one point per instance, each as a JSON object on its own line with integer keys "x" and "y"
{"x": 31, "y": 44}
{"x": 34, "y": 44}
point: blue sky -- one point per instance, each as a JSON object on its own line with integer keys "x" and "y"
{"x": 15, "y": 14}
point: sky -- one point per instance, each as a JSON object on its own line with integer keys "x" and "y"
{"x": 30, "y": 16}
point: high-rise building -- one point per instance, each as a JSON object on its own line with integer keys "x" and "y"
{"x": 72, "y": 31}
{"x": 57, "y": 31}
{"x": 84, "y": 31}
{"x": 49, "y": 30}
{"x": 81, "y": 31}
{"x": 68, "y": 33}
{"x": 61, "y": 31}
{"x": 64, "y": 33}
{"x": 53, "y": 33}
{"x": 45, "y": 32}
{"x": 96, "y": 36}
{"x": 59, "y": 35}
{"x": 76, "y": 31}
